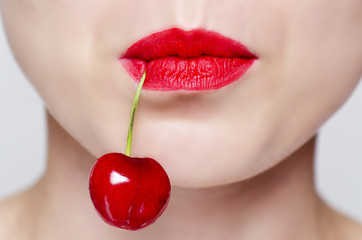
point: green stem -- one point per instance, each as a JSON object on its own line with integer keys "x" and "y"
{"x": 135, "y": 102}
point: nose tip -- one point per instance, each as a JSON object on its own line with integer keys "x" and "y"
{"x": 189, "y": 13}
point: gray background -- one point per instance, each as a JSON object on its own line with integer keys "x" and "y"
{"x": 22, "y": 141}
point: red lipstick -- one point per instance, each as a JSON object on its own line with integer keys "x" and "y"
{"x": 175, "y": 59}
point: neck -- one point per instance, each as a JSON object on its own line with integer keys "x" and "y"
{"x": 278, "y": 204}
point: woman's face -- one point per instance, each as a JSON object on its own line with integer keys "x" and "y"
{"x": 309, "y": 61}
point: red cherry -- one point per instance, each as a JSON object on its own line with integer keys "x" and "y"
{"x": 127, "y": 192}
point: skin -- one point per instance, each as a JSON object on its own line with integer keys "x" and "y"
{"x": 261, "y": 130}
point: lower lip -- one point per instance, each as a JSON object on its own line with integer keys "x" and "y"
{"x": 197, "y": 74}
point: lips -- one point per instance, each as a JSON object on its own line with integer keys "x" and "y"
{"x": 197, "y": 60}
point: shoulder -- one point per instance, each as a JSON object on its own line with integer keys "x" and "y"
{"x": 350, "y": 228}
{"x": 11, "y": 210}
{"x": 7, "y": 218}
{"x": 340, "y": 226}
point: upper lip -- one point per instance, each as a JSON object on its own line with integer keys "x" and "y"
{"x": 194, "y": 44}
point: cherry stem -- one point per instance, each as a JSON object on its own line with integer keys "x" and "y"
{"x": 135, "y": 102}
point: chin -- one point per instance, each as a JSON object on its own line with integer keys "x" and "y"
{"x": 194, "y": 156}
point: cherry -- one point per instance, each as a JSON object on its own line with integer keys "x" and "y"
{"x": 128, "y": 192}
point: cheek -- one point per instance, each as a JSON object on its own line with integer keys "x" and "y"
{"x": 57, "y": 47}
{"x": 320, "y": 64}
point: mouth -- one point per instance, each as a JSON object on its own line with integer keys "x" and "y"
{"x": 195, "y": 60}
